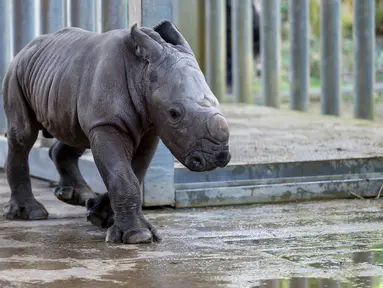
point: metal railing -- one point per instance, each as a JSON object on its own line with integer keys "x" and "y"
{"x": 330, "y": 36}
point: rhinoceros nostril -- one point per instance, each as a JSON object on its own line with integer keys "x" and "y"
{"x": 218, "y": 128}
{"x": 222, "y": 156}
{"x": 197, "y": 162}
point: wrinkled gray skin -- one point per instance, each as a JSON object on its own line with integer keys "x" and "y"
{"x": 116, "y": 93}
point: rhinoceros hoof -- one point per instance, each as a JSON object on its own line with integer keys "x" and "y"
{"x": 29, "y": 210}
{"x": 73, "y": 196}
{"x": 99, "y": 212}
{"x": 139, "y": 236}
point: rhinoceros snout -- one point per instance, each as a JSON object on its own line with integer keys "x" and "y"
{"x": 218, "y": 128}
{"x": 223, "y": 158}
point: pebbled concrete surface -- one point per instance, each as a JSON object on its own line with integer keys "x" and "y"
{"x": 261, "y": 134}
{"x": 322, "y": 244}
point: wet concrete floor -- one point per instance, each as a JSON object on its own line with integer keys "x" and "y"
{"x": 321, "y": 244}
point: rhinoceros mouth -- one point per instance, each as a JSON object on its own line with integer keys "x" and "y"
{"x": 207, "y": 155}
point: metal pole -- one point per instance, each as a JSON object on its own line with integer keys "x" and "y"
{"x": 330, "y": 56}
{"x": 270, "y": 47}
{"x": 215, "y": 40}
{"x": 299, "y": 48}
{"x": 134, "y": 12}
{"x": 154, "y": 11}
{"x": 5, "y": 53}
{"x": 52, "y": 15}
{"x": 242, "y": 44}
{"x": 23, "y": 23}
{"x": 190, "y": 21}
{"x": 364, "y": 43}
{"x": 114, "y": 14}
{"x": 83, "y": 14}
{"x": 159, "y": 179}
{"x": 52, "y": 19}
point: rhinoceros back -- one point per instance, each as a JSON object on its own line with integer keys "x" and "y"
{"x": 53, "y": 70}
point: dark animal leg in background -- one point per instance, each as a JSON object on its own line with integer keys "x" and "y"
{"x": 72, "y": 188}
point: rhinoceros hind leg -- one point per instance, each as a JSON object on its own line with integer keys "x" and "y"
{"x": 72, "y": 188}
{"x": 22, "y": 133}
{"x": 100, "y": 213}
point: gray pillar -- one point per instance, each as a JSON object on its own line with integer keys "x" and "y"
{"x": 364, "y": 69}
{"x": 83, "y": 14}
{"x": 154, "y": 11}
{"x": 114, "y": 14}
{"x": 159, "y": 179}
{"x": 5, "y": 53}
{"x": 190, "y": 21}
{"x": 330, "y": 56}
{"x": 299, "y": 46}
{"x": 134, "y": 12}
{"x": 52, "y": 18}
{"x": 270, "y": 47}
{"x": 23, "y": 23}
{"x": 242, "y": 47}
{"x": 52, "y": 15}
{"x": 215, "y": 41}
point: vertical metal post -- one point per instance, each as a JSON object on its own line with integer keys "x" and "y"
{"x": 24, "y": 27}
{"x": 270, "y": 47}
{"x": 83, "y": 14}
{"x": 330, "y": 56}
{"x": 242, "y": 52}
{"x": 154, "y": 11}
{"x": 299, "y": 48}
{"x": 159, "y": 179}
{"x": 134, "y": 12}
{"x": 5, "y": 53}
{"x": 190, "y": 21}
{"x": 215, "y": 41}
{"x": 364, "y": 69}
{"x": 52, "y": 18}
{"x": 114, "y": 14}
{"x": 52, "y": 15}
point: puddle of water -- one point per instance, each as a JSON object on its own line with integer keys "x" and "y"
{"x": 357, "y": 282}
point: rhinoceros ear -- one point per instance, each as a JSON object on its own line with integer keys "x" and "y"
{"x": 146, "y": 46}
{"x": 169, "y": 32}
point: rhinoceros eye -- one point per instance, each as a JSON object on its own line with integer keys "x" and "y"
{"x": 175, "y": 114}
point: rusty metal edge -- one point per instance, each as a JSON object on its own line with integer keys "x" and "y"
{"x": 283, "y": 192}
{"x": 314, "y": 168}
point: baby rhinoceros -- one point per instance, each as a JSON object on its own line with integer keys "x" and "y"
{"x": 116, "y": 93}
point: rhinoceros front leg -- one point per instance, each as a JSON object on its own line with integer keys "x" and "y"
{"x": 112, "y": 153}
{"x": 72, "y": 188}
{"x": 100, "y": 213}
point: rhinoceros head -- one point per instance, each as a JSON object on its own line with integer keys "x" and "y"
{"x": 181, "y": 105}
